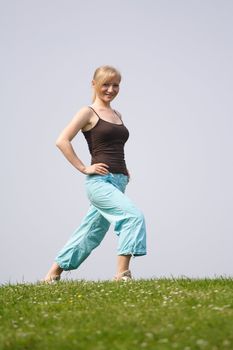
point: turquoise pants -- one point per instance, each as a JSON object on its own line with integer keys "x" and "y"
{"x": 109, "y": 205}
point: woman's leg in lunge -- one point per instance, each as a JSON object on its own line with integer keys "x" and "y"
{"x": 85, "y": 238}
{"x": 109, "y": 198}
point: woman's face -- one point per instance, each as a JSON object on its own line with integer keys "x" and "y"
{"x": 108, "y": 90}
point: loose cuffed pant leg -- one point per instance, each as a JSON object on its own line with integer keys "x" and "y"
{"x": 109, "y": 205}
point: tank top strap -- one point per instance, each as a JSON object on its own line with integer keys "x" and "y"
{"x": 105, "y": 120}
{"x": 95, "y": 112}
{"x": 117, "y": 114}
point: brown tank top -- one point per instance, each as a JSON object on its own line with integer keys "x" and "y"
{"x": 106, "y": 142}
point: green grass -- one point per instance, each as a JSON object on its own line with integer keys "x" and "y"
{"x": 158, "y": 314}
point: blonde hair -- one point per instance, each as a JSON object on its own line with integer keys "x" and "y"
{"x": 103, "y": 74}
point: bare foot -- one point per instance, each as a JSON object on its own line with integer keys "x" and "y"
{"x": 54, "y": 274}
{"x": 123, "y": 276}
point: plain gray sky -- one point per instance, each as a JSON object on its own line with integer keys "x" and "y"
{"x": 176, "y": 100}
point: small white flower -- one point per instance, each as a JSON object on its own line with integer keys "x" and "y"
{"x": 202, "y": 343}
{"x": 143, "y": 345}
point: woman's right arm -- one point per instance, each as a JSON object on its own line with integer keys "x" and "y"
{"x": 63, "y": 142}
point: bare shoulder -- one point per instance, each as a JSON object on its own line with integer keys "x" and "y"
{"x": 82, "y": 117}
{"x": 84, "y": 113}
{"x": 118, "y": 113}
{"x": 79, "y": 121}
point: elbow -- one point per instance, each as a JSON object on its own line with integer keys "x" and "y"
{"x": 59, "y": 143}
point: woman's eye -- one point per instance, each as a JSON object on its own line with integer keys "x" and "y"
{"x": 107, "y": 85}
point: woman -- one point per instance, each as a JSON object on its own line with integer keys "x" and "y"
{"x": 106, "y": 180}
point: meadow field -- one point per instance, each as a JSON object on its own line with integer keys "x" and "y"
{"x": 158, "y": 314}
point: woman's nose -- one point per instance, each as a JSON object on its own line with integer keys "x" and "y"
{"x": 110, "y": 88}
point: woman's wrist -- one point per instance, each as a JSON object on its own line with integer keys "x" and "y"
{"x": 82, "y": 169}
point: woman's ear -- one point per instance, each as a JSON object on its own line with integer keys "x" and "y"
{"x": 93, "y": 83}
